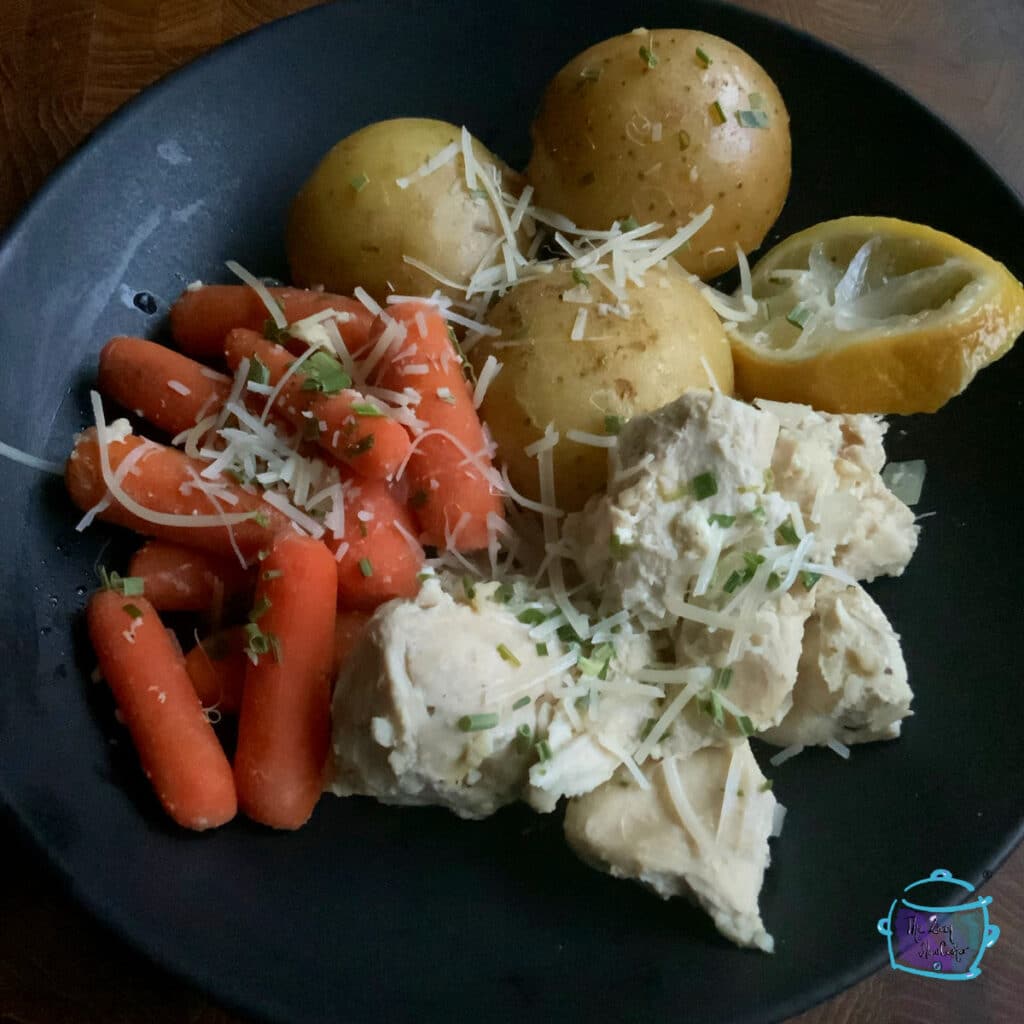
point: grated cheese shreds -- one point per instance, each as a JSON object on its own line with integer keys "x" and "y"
{"x": 179, "y": 388}
{"x": 625, "y": 759}
{"x": 131, "y": 505}
{"x": 840, "y": 748}
{"x": 32, "y": 461}
{"x": 785, "y": 755}
{"x": 485, "y": 378}
{"x": 594, "y": 440}
{"x": 363, "y": 297}
{"x": 712, "y": 379}
{"x": 268, "y": 300}
{"x": 283, "y": 505}
{"x": 778, "y": 820}
{"x": 732, "y": 785}
{"x": 435, "y": 163}
{"x": 684, "y": 809}
{"x": 664, "y": 723}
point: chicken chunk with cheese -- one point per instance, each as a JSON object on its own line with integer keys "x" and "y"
{"x": 852, "y": 680}
{"x": 698, "y": 827}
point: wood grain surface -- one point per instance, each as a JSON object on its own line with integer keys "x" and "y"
{"x": 66, "y": 64}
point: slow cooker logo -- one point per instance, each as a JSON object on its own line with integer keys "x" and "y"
{"x": 945, "y": 941}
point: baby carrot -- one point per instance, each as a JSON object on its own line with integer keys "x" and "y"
{"x": 451, "y": 494}
{"x": 182, "y": 579}
{"x": 166, "y": 388}
{"x": 217, "y": 668}
{"x": 378, "y": 562}
{"x": 284, "y": 725}
{"x": 178, "y": 748}
{"x": 163, "y": 482}
{"x": 348, "y": 631}
{"x": 202, "y": 317}
{"x": 341, "y": 422}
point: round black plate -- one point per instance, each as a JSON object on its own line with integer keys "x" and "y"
{"x": 373, "y": 913}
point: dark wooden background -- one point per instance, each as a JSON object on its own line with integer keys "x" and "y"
{"x": 66, "y": 64}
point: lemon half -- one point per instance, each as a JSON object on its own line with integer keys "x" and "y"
{"x": 873, "y": 314}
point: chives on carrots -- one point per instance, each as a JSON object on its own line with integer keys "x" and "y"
{"x": 366, "y": 567}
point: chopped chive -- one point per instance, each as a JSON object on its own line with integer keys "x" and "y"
{"x": 799, "y": 315}
{"x": 259, "y": 372}
{"x": 721, "y": 679}
{"x": 503, "y": 593}
{"x": 649, "y": 57}
{"x": 702, "y": 58}
{"x": 613, "y": 424}
{"x": 568, "y": 635}
{"x": 133, "y": 610}
{"x": 359, "y": 182}
{"x": 132, "y": 586}
{"x": 273, "y": 333}
{"x": 717, "y": 113}
{"x": 262, "y": 554}
{"x": 712, "y": 707}
{"x": 532, "y": 616}
{"x": 765, "y": 786}
{"x": 619, "y": 548}
{"x": 752, "y": 560}
{"x": 756, "y": 101}
{"x": 718, "y": 519}
{"x": 629, "y": 224}
{"x": 734, "y": 581}
{"x": 324, "y": 373}
{"x": 365, "y": 409}
{"x": 507, "y": 655}
{"x": 647, "y": 727}
{"x": 786, "y": 533}
{"x": 704, "y": 486}
{"x": 580, "y": 278}
{"x": 257, "y": 640}
{"x": 260, "y": 608}
{"x": 684, "y": 140}
{"x": 542, "y": 650}
{"x": 422, "y": 577}
{"x": 752, "y": 118}
{"x": 544, "y": 750}
{"x": 361, "y": 447}
{"x": 521, "y": 703}
{"x": 260, "y": 519}
{"x": 745, "y": 724}
{"x": 774, "y": 581}
{"x": 758, "y": 513}
{"x": 524, "y": 738}
{"x": 273, "y": 574}
{"x": 477, "y": 723}
{"x": 468, "y": 587}
{"x": 808, "y": 579}
{"x": 366, "y": 567}
{"x": 275, "y": 646}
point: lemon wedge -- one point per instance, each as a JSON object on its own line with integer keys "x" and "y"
{"x": 872, "y": 314}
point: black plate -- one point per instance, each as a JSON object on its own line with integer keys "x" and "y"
{"x": 379, "y": 914}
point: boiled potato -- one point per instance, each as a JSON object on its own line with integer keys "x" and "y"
{"x": 351, "y": 223}
{"x": 671, "y": 341}
{"x": 618, "y": 137}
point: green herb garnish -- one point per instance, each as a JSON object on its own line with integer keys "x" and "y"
{"x": 133, "y": 610}
{"x": 273, "y": 574}
{"x": 359, "y": 182}
{"x": 503, "y": 593}
{"x": 477, "y": 723}
{"x": 533, "y": 616}
{"x": 649, "y": 57}
{"x": 717, "y": 113}
{"x": 629, "y": 224}
{"x": 544, "y": 750}
{"x": 260, "y": 608}
{"x": 745, "y": 724}
{"x": 721, "y": 679}
{"x": 613, "y": 424}
{"x": 524, "y": 738}
{"x": 542, "y": 650}
{"x": 257, "y": 642}
{"x": 786, "y": 533}
{"x": 361, "y": 447}
{"x": 366, "y": 567}
{"x": 702, "y": 58}
{"x": 127, "y": 586}
{"x": 580, "y": 278}
{"x": 799, "y": 315}
{"x": 325, "y": 374}
{"x": 365, "y": 409}
{"x": 521, "y": 703}
{"x": 507, "y": 655}
{"x": 704, "y": 486}
{"x": 808, "y": 579}
{"x": 468, "y": 587}
{"x": 718, "y": 519}
{"x": 278, "y": 335}
{"x": 259, "y": 372}
{"x": 619, "y": 549}
{"x": 752, "y": 118}
{"x": 260, "y": 518}
{"x": 774, "y": 581}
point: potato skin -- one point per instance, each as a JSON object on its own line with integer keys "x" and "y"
{"x": 595, "y": 157}
{"x": 341, "y": 237}
{"x": 630, "y": 366}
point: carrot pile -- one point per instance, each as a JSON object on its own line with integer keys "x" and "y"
{"x": 282, "y": 590}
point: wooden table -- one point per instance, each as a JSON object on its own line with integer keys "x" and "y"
{"x": 66, "y": 64}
